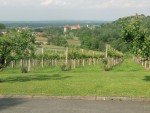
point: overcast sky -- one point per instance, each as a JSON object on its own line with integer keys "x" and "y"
{"x": 29, "y": 10}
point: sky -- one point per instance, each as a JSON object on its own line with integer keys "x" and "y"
{"x": 40, "y": 10}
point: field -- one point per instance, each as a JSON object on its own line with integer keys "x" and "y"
{"x": 127, "y": 79}
{"x": 75, "y": 41}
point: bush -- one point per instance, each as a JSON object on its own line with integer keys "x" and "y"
{"x": 106, "y": 68}
{"x": 24, "y": 69}
{"x": 104, "y": 61}
{"x": 65, "y": 67}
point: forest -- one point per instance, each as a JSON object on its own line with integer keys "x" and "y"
{"x": 109, "y": 33}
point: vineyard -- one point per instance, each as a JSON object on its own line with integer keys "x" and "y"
{"x": 145, "y": 62}
{"x": 94, "y": 67}
{"x": 69, "y": 58}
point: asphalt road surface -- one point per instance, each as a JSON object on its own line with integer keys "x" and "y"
{"x": 71, "y": 106}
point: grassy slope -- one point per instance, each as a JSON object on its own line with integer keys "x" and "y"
{"x": 126, "y": 79}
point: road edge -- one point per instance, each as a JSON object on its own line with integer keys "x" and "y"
{"x": 94, "y": 98}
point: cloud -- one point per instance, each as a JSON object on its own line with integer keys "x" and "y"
{"x": 98, "y": 3}
{"x": 19, "y": 2}
{"x": 124, "y": 4}
{"x": 54, "y": 2}
{"x": 3, "y": 2}
{"x": 71, "y": 9}
{"x": 81, "y": 3}
{"x": 47, "y": 2}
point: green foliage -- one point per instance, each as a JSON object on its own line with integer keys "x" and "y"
{"x": 97, "y": 37}
{"x": 2, "y": 26}
{"x": 136, "y": 35}
{"x": 105, "y": 64}
{"x": 105, "y": 61}
{"x": 38, "y": 30}
{"x": 72, "y": 54}
{"x": 48, "y": 56}
{"x": 55, "y": 36}
{"x": 5, "y": 51}
{"x": 24, "y": 69}
{"x": 114, "y": 53}
{"x": 16, "y": 45}
{"x": 57, "y": 40}
{"x": 65, "y": 67}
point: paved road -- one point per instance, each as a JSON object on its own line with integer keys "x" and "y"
{"x": 71, "y": 106}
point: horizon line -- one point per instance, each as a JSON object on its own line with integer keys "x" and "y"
{"x": 49, "y": 20}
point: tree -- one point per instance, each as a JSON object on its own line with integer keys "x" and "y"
{"x": 55, "y": 36}
{"x": 5, "y": 51}
{"x": 2, "y": 26}
{"x": 15, "y": 46}
{"x": 136, "y": 35}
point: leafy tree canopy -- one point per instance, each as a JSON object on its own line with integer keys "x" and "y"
{"x": 2, "y": 26}
{"x": 135, "y": 33}
{"x": 16, "y": 45}
{"x": 110, "y": 33}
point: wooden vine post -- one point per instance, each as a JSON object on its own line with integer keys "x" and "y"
{"x": 42, "y": 58}
{"x": 12, "y": 62}
{"x": 113, "y": 57}
{"x": 29, "y": 63}
{"x": 83, "y": 58}
{"x": 107, "y": 49}
{"x": 93, "y": 58}
{"x": 149, "y": 64}
{"x": 106, "y": 55}
{"x": 66, "y": 61}
{"x": 74, "y": 63}
{"x": 56, "y": 59}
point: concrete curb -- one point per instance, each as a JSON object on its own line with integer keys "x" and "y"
{"x": 94, "y": 98}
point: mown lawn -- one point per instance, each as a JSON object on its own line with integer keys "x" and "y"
{"x": 126, "y": 79}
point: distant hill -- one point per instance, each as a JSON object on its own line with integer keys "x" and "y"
{"x": 108, "y": 33}
{"x": 145, "y": 20}
{"x": 35, "y": 24}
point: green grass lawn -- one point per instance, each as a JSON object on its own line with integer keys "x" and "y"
{"x": 126, "y": 79}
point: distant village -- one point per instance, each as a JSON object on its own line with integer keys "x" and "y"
{"x": 71, "y": 27}
{"x": 39, "y": 35}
